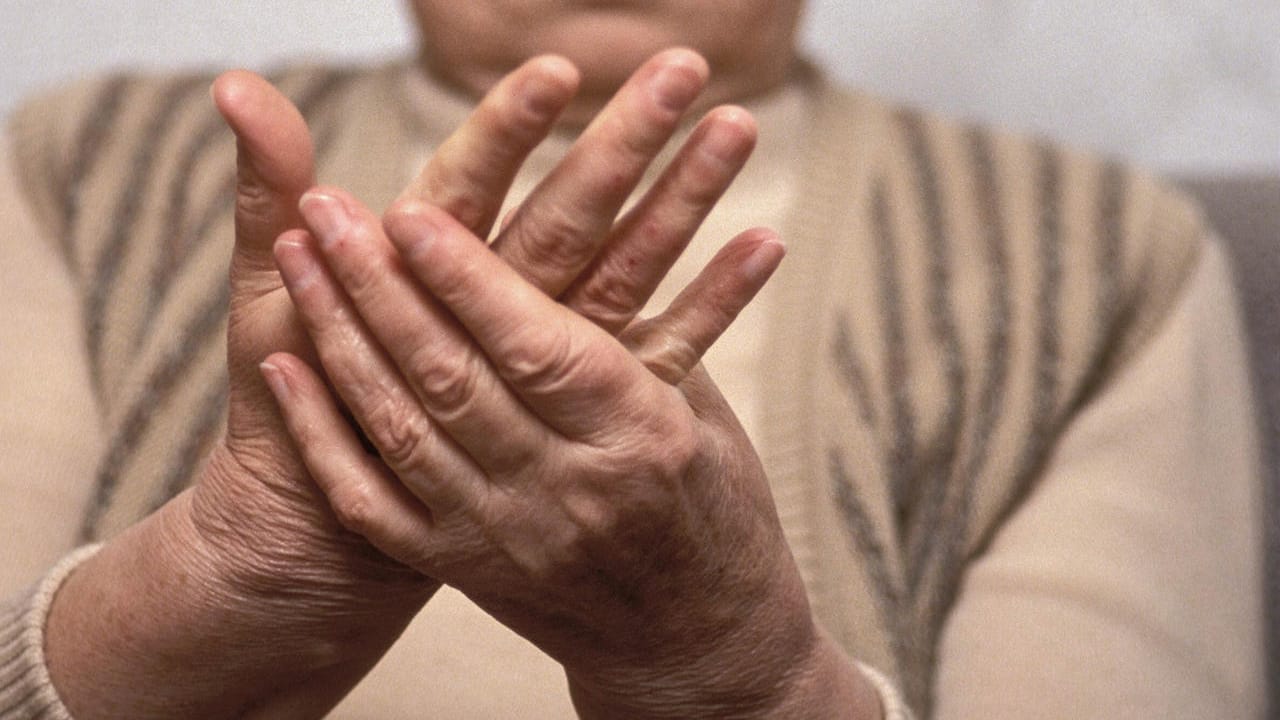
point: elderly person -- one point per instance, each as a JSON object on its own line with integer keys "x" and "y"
{"x": 982, "y": 446}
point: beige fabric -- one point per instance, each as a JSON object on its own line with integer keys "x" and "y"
{"x": 25, "y": 688}
{"x": 49, "y": 442}
{"x": 1130, "y": 581}
{"x": 1176, "y": 294}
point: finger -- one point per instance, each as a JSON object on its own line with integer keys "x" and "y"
{"x": 364, "y": 496}
{"x": 648, "y": 240}
{"x": 441, "y": 365}
{"x": 672, "y": 343}
{"x": 507, "y": 218}
{"x": 575, "y": 377}
{"x": 561, "y": 224}
{"x": 274, "y": 166}
{"x": 433, "y": 468}
{"x": 469, "y": 174}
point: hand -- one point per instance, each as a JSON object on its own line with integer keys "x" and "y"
{"x": 253, "y": 552}
{"x": 617, "y": 521}
{"x": 180, "y": 603}
{"x": 620, "y": 523}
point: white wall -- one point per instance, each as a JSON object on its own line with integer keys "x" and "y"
{"x": 1173, "y": 83}
{"x": 1170, "y": 83}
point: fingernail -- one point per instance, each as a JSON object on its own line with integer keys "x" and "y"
{"x": 545, "y": 93}
{"x": 726, "y": 138}
{"x": 274, "y": 378}
{"x": 413, "y": 230}
{"x": 674, "y": 88}
{"x": 540, "y": 98}
{"x": 297, "y": 267}
{"x": 326, "y": 215}
{"x": 764, "y": 260}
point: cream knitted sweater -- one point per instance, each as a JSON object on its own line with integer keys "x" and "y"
{"x": 997, "y": 386}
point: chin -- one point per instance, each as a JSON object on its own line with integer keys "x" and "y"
{"x": 607, "y": 46}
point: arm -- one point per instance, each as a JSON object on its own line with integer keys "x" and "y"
{"x": 1144, "y": 565}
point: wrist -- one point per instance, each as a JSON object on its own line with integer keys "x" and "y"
{"x": 160, "y": 623}
{"x": 765, "y": 652}
{"x": 766, "y": 658}
{"x": 268, "y": 539}
{"x": 824, "y": 685}
{"x": 829, "y": 685}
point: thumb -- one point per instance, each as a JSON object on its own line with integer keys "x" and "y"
{"x": 274, "y": 166}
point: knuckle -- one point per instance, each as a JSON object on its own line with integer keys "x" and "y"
{"x": 471, "y": 205}
{"x": 462, "y": 188}
{"x": 567, "y": 559}
{"x": 549, "y": 235}
{"x": 447, "y": 381}
{"x": 360, "y": 279}
{"x": 404, "y": 209}
{"x": 361, "y": 271}
{"x": 637, "y": 136}
{"x": 254, "y": 201}
{"x": 599, "y": 520}
{"x": 665, "y": 354}
{"x": 655, "y": 230}
{"x": 398, "y": 434}
{"x": 590, "y": 514}
{"x": 544, "y": 362}
{"x": 701, "y": 184}
{"x": 634, "y": 147}
{"x": 663, "y": 448}
{"x": 353, "y": 507}
{"x": 608, "y": 298}
{"x": 680, "y": 448}
{"x": 513, "y": 122}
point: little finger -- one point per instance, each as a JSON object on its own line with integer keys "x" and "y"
{"x": 364, "y": 496}
{"x": 673, "y": 342}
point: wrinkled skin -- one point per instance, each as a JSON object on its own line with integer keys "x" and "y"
{"x": 253, "y": 550}
{"x": 574, "y": 474}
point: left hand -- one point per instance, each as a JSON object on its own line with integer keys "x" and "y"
{"x": 615, "y": 516}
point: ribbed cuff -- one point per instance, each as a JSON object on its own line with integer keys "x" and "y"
{"x": 25, "y": 688}
{"x": 891, "y": 702}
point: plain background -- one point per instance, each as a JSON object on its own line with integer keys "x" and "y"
{"x": 1174, "y": 84}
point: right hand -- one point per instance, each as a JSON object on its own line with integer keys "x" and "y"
{"x": 181, "y": 604}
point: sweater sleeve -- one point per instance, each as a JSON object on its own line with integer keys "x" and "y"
{"x": 1129, "y": 582}
{"x": 893, "y": 706}
{"x": 25, "y": 688}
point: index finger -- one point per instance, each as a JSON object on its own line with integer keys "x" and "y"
{"x": 469, "y": 174}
